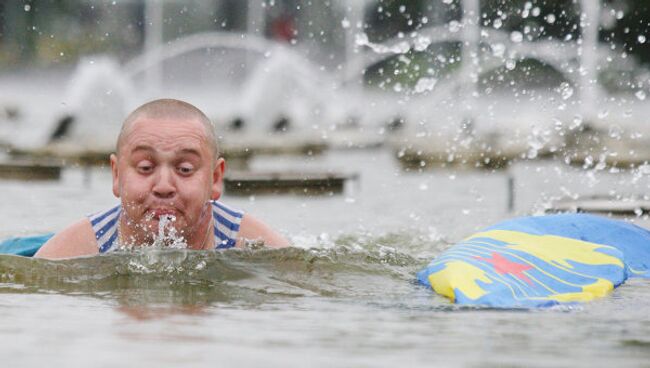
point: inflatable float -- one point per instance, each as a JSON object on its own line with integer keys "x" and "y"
{"x": 24, "y": 246}
{"x": 540, "y": 261}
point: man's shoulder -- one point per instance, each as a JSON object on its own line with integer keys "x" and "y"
{"x": 253, "y": 229}
{"x": 75, "y": 240}
{"x": 245, "y": 227}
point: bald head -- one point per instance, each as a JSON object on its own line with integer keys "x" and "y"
{"x": 169, "y": 109}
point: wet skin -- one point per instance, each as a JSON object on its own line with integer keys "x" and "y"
{"x": 166, "y": 168}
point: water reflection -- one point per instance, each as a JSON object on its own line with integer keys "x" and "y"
{"x": 145, "y": 312}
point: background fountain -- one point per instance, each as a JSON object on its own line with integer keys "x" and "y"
{"x": 99, "y": 94}
{"x": 458, "y": 105}
{"x": 455, "y": 116}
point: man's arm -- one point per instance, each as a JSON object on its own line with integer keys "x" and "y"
{"x": 76, "y": 240}
{"x": 253, "y": 229}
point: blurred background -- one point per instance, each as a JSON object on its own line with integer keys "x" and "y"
{"x": 323, "y": 66}
{"x": 482, "y": 85}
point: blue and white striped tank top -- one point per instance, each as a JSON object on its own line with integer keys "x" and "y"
{"x": 226, "y": 226}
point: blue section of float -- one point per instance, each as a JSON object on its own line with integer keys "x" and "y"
{"x": 632, "y": 240}
{"x": 540, "y": 261}
{"x": 24, "y": 246}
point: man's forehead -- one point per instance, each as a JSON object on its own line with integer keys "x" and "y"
{"x": 156, "y": 124}
{"x": 167, "y": 124}
{"x": 161, "y": 133}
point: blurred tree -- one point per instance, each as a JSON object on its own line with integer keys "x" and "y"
{"x": 61, "y": 30}
{"x": 623, "y": 22}
{"x": 631, "y": 27}
{"x": 385, "y": 18}
{"x": 556, "y": 19}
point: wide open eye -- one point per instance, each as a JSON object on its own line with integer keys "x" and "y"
{"x": 185, "y": 168}
{"x": 145, "y": 167}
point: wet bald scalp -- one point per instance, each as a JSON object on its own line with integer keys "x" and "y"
{"x": 168, "y": 108}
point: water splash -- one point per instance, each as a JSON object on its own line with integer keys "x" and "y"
{"x": 350, "y": 265}
{"x": 241, "y": 275}
{"x": 167, "y": 236}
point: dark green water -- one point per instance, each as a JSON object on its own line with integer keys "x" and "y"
{"x": 204, "y": 277}
{"x": 343, "y": 306}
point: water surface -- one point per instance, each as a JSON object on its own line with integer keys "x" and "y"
{"x": 345, "y": 296}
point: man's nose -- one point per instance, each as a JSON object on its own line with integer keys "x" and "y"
{"x": 164, "y": 187}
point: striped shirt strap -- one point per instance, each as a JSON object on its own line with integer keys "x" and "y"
{"x": 104, "y": 225}
{"x": 226, "y": 224}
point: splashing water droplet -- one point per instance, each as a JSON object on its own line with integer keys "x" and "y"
{"x": 421, "y": 43}
{"x": 425, "y": 85}
{"x": 361, "y": 39}
{"x": 565, "y": 90}
{"x": 644, "y": 169}
{"x": 167, "y": 235}
{"x": 454, "y": 26}
{"x": 550, "y": 19}
{"x": 603, "y": 114}
{"x": 641, "y": 95}
{"x": 498, "y": 50}
{"x": 615, "y": 132}
{"x": 516, "y": 37}
{"x": 576, "y": 122}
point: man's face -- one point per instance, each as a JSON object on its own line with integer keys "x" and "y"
{"x": 166, "y": 168}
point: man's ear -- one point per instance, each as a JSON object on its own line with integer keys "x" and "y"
{"x": 217, "y": 178}
{"x": 116, "y": 176}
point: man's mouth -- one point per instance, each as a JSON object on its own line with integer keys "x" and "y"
{"x": 157, "y": 213}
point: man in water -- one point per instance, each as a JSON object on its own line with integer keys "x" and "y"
{"x": 169, "y": 177}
